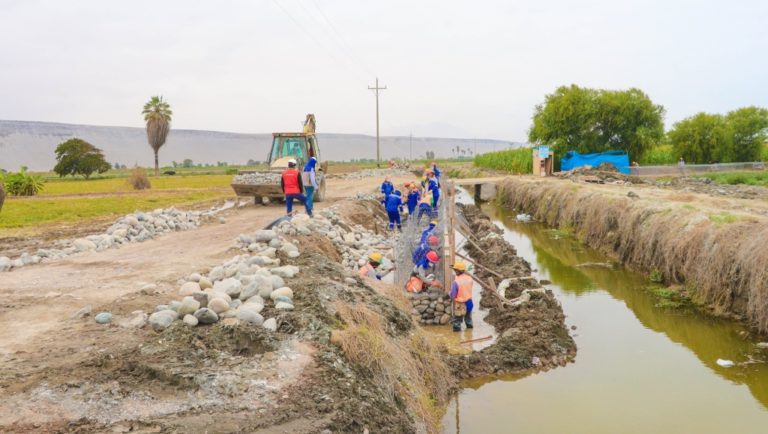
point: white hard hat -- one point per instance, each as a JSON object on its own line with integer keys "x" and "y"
{"x": 292, "y": 162}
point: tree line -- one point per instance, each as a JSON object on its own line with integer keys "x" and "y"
{"x": 589, "y": 120}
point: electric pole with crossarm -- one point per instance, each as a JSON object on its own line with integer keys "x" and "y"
{"x": 376, "y": 90}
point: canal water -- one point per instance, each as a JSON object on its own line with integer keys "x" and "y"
{"x": 640, "y": 368}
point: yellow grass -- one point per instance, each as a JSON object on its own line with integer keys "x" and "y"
{"x": 118, "y": 185}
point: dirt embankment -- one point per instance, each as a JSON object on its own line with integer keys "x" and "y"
{"x": 720, "y": 258}
{"x": 532, "y": 332}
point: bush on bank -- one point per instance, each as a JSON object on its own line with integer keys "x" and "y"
{"x": 512, "y": 160}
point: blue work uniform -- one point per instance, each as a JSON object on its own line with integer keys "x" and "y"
{"x": 413, "y": 200}
{"x": 386, "y": 189}
{"x": 394, "y": 204}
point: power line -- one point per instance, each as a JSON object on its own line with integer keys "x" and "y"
{"x": 344, "y": 43}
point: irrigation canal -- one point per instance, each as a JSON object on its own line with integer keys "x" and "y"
{"x": 640, "y": 368}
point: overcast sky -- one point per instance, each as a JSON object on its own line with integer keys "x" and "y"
{"x": 452, "y": 68}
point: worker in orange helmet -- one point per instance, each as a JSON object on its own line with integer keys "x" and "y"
{"x": 461, "y": 294}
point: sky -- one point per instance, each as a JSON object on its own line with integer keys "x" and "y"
{"x": 470, "y": 69}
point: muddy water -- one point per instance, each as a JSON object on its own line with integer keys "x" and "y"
{"x": 639, "y": 368}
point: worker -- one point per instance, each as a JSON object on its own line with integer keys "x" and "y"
{"x": 387, "y": 188}
{"x": 370, "y": 268}
{"x": 436, "y": 171}
{"x": 430, "y": 230}
{"x": 291, "y": 184}
{"x": 414, "y": 283}
{"x": 433, "y": 188}
{"x": 425, "y": 207}
{"x": 413, "y": 198}
{"x": 394, "y": 206}
{"x": 423, "y": 248}
{"x": 427, "y": 264}
{"x": 461, "y": 294}
{"x": 309, "y": 179}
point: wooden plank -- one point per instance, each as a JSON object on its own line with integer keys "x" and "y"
{"x": 472, "y": 261}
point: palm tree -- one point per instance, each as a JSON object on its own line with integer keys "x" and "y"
{"x": 157, "y": 113}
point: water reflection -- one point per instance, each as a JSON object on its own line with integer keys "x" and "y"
{"x": 640, "y": 368}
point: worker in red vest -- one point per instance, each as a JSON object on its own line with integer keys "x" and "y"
{"x": 461, "y": 294}
{"x": 291, "y": 184}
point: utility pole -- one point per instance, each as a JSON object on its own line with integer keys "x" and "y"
{"x": 376, "y": 90}
{"x": 410, "y": 146}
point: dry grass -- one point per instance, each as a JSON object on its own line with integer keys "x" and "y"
{"x": 139, "y": 179}
{"x": 723, "y": 263}
{"x": 407, "y": 366}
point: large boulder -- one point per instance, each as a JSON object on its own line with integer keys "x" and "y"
{"x": 188, "y": 306}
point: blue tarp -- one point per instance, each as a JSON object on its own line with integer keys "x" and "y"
{"x": 573, "y": 159}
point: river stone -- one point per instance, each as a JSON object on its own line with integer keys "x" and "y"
{"x": 229, "y": 286}
{"x": 201, "y": 298}
{"x": 287, "y": 271}
{"x": 283, "y": 306}
{"x": 5, "y": 263}
{"x": 295, "y": 254}
{"x": 283, "y": 291}
{"x": 174, "y": 305}
{"x": 762, "y": 345}
{"x": 218, "y": 305}
{"x": 190, "y": 320}
{"x": 205, "y": 283}
{"x": 445, "y": 318}
{"x": 103, "y": 318}
{"x": 282, "y": 299}
{"x": 277, "y": 282}
{"x": 256, "y": 307}
{"x": 254, "y": 288}
{"x": 288, "y": 247}
{"x": 264, "y": 235}
{"x": 350, "y": 281}
{"x": 421, "y": 308}
{"x": 250, "y": 317}
{"x": 270, "y": 324}
{"x": 270, "y": 252}
{"x": 131, "y": 220}
{"x": 206, "y": 316}
{"x": 189, "y": 288}
{"x": 188, "y": 306}
{"x": 194, "y": 277}
{"x": 216, "y": 274}
{"x": 161, "y": 320}
{"x": 82, "y": 245}
{"x": 138, "y": 320}
{"x": 275, "y": 243}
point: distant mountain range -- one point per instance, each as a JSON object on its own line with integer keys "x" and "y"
{"x": 32, "y": 144}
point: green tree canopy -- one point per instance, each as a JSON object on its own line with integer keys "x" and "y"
{"x": 76, "y": 156}
{"x": 749, "y": 129}
{"x": 737, "y": 136}
{"x": 587, "y": 120}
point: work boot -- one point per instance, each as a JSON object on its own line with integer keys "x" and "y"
{"x": 468, "y": 320}
{"x": 456, "y": 322}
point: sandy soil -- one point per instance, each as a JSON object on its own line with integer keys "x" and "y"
{"x": 41, "y": 341}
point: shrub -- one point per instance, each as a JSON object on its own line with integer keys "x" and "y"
{"x": 231, "y": 171}
{"x": 511, "y": 160}
{"x": 139, "y": 179}
{"x": 2, "y": 194}
{"x": 22, "y": 183}
{"x": 659, "y": 155}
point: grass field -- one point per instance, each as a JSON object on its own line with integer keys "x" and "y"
{"x": 26, "y": 212}
{"x": 117, "y": 185}
{"x": 735, "y": 178}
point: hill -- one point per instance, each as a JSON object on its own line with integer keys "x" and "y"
{"x": 32, "y": 144}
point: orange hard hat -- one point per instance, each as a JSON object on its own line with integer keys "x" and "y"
{"x": 432, "y": 257}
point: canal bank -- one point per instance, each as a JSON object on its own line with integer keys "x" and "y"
{"x": 640, "y": 367}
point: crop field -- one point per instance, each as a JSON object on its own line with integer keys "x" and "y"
{"x": 120, "y": 185}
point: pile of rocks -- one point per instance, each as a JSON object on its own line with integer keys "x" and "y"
{"x": 136, "y": 227}
{"x": 239, "y": 288}
{"x": 256, "y": 178}
{"x": 353, "y": 243}
{"x": 432, "y": 306}
{"x": 376, "y": 173}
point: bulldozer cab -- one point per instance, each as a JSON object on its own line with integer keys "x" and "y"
{"x": 292, "y": 145}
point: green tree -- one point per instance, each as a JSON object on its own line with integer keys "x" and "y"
{"x": 702, "y": 138}
{"x": 749, "y": 129}
{"x": 588, "y": 120}
{"x": 157, "y": 114}
{"x": 187, "y": 163}
{"x": 76, "y": 156}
